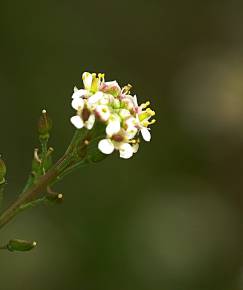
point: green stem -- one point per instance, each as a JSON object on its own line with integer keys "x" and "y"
{"x": 32, "y": 192}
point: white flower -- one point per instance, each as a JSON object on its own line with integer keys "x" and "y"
{"x": 111, "y": 88}
{"x": 103, "y": 112}
{"x": 146, "y": 134}
{"x": 120, "y": 112}
{"x": 143, "y": 120}
{"x": 78, "y": 103}
{"x": 126, "y": 151}
{"x": 91, "y": 85}
{"x": 94, "y": 99}
{"x": 87, "y": 80}
{"x": 78, "y": 93}
{"x": 135, "y": 147}
{"x": 131, "y": 130}
{"x": 124, "y": 113}
{"x": 90, "y": 122}
{"x": 77, "y": 122}
{"x": 114, "y": 125}
{"x": 107, "y": 146}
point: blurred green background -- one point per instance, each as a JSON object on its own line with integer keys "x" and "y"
{"x": 171, "y": 217}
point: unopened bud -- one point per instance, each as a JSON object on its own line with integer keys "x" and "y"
{"x": 20, "y": 245}
{"x": 54, "y": 196}
{"x": 3, "y": 171}
{"x": 44, "y": 125}
{"x": 58, "y": 197}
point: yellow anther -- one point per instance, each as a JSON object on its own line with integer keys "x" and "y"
{"x": 150, "y": 112}
{"x": 126, "y": 89}
{"x": 152, "y": 122}
{"x": 145, "y": 123}
{"x": 145, "y": 105}
{"x": 133, "y": 141}
{"x": 101, "y": 76}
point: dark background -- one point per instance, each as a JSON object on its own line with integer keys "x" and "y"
{"x": 171, "y": 217}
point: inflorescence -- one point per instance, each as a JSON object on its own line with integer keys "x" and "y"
{"x": 107, "y": 102}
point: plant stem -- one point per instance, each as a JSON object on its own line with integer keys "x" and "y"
{"x": 32, "y": 192}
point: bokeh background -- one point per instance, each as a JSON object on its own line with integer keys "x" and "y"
{"x": 171, "y": 217}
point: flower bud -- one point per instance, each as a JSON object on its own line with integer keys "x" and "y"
{"x": 44, "y": 125}
{"x": 3, "y": 171}
{"x": 20, "y": 245}
{"x": 55, "y": 197}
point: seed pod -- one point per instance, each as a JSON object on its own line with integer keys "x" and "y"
{"x": 20, "y": 245}
{"x": 44, "y": 125}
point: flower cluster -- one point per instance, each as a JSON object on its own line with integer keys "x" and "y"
{"x": 117, "y": 108}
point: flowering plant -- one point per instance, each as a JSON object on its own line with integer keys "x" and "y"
{"x": 107, "y": 118}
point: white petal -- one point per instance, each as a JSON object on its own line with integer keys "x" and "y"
{"x": 77, "y": 122}
{"x": 113, "y": 126}
{"x": 87, "y": 80}
{"x": 128, "y": 102}
{"x": 103, "y": 112}
{"x": 79, "y": 93}
{"x": 135, "y": 101}
{"x": 95, "y": 98}
{"x": 126, "y": 151}
{"x": 77, "y": 103}
{"x": 124, "y": 113}
{"x": 131, "y": 133}
{"x": 131, "y": 123}
{"x": 106, "y": 146}
{"x": 113, "y": 84}
{"x": 90, "y": 122}
{"x": 146, "y": 134}
{"x": 135, "y": 148}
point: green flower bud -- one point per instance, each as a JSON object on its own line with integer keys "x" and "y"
{"x": 44, "y": 125}
{"x": 20, "y": 245}
{"x": 3, "y": 171}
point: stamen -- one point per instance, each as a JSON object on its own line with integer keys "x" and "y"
{"x": 152, "y": 122}
{"x": 133, "y": 141}
{"x": 145, "y": 105}
{"x": 150, "y": 112}
{"x": 101, "y": 77}
{"x": 126, "y": 89}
